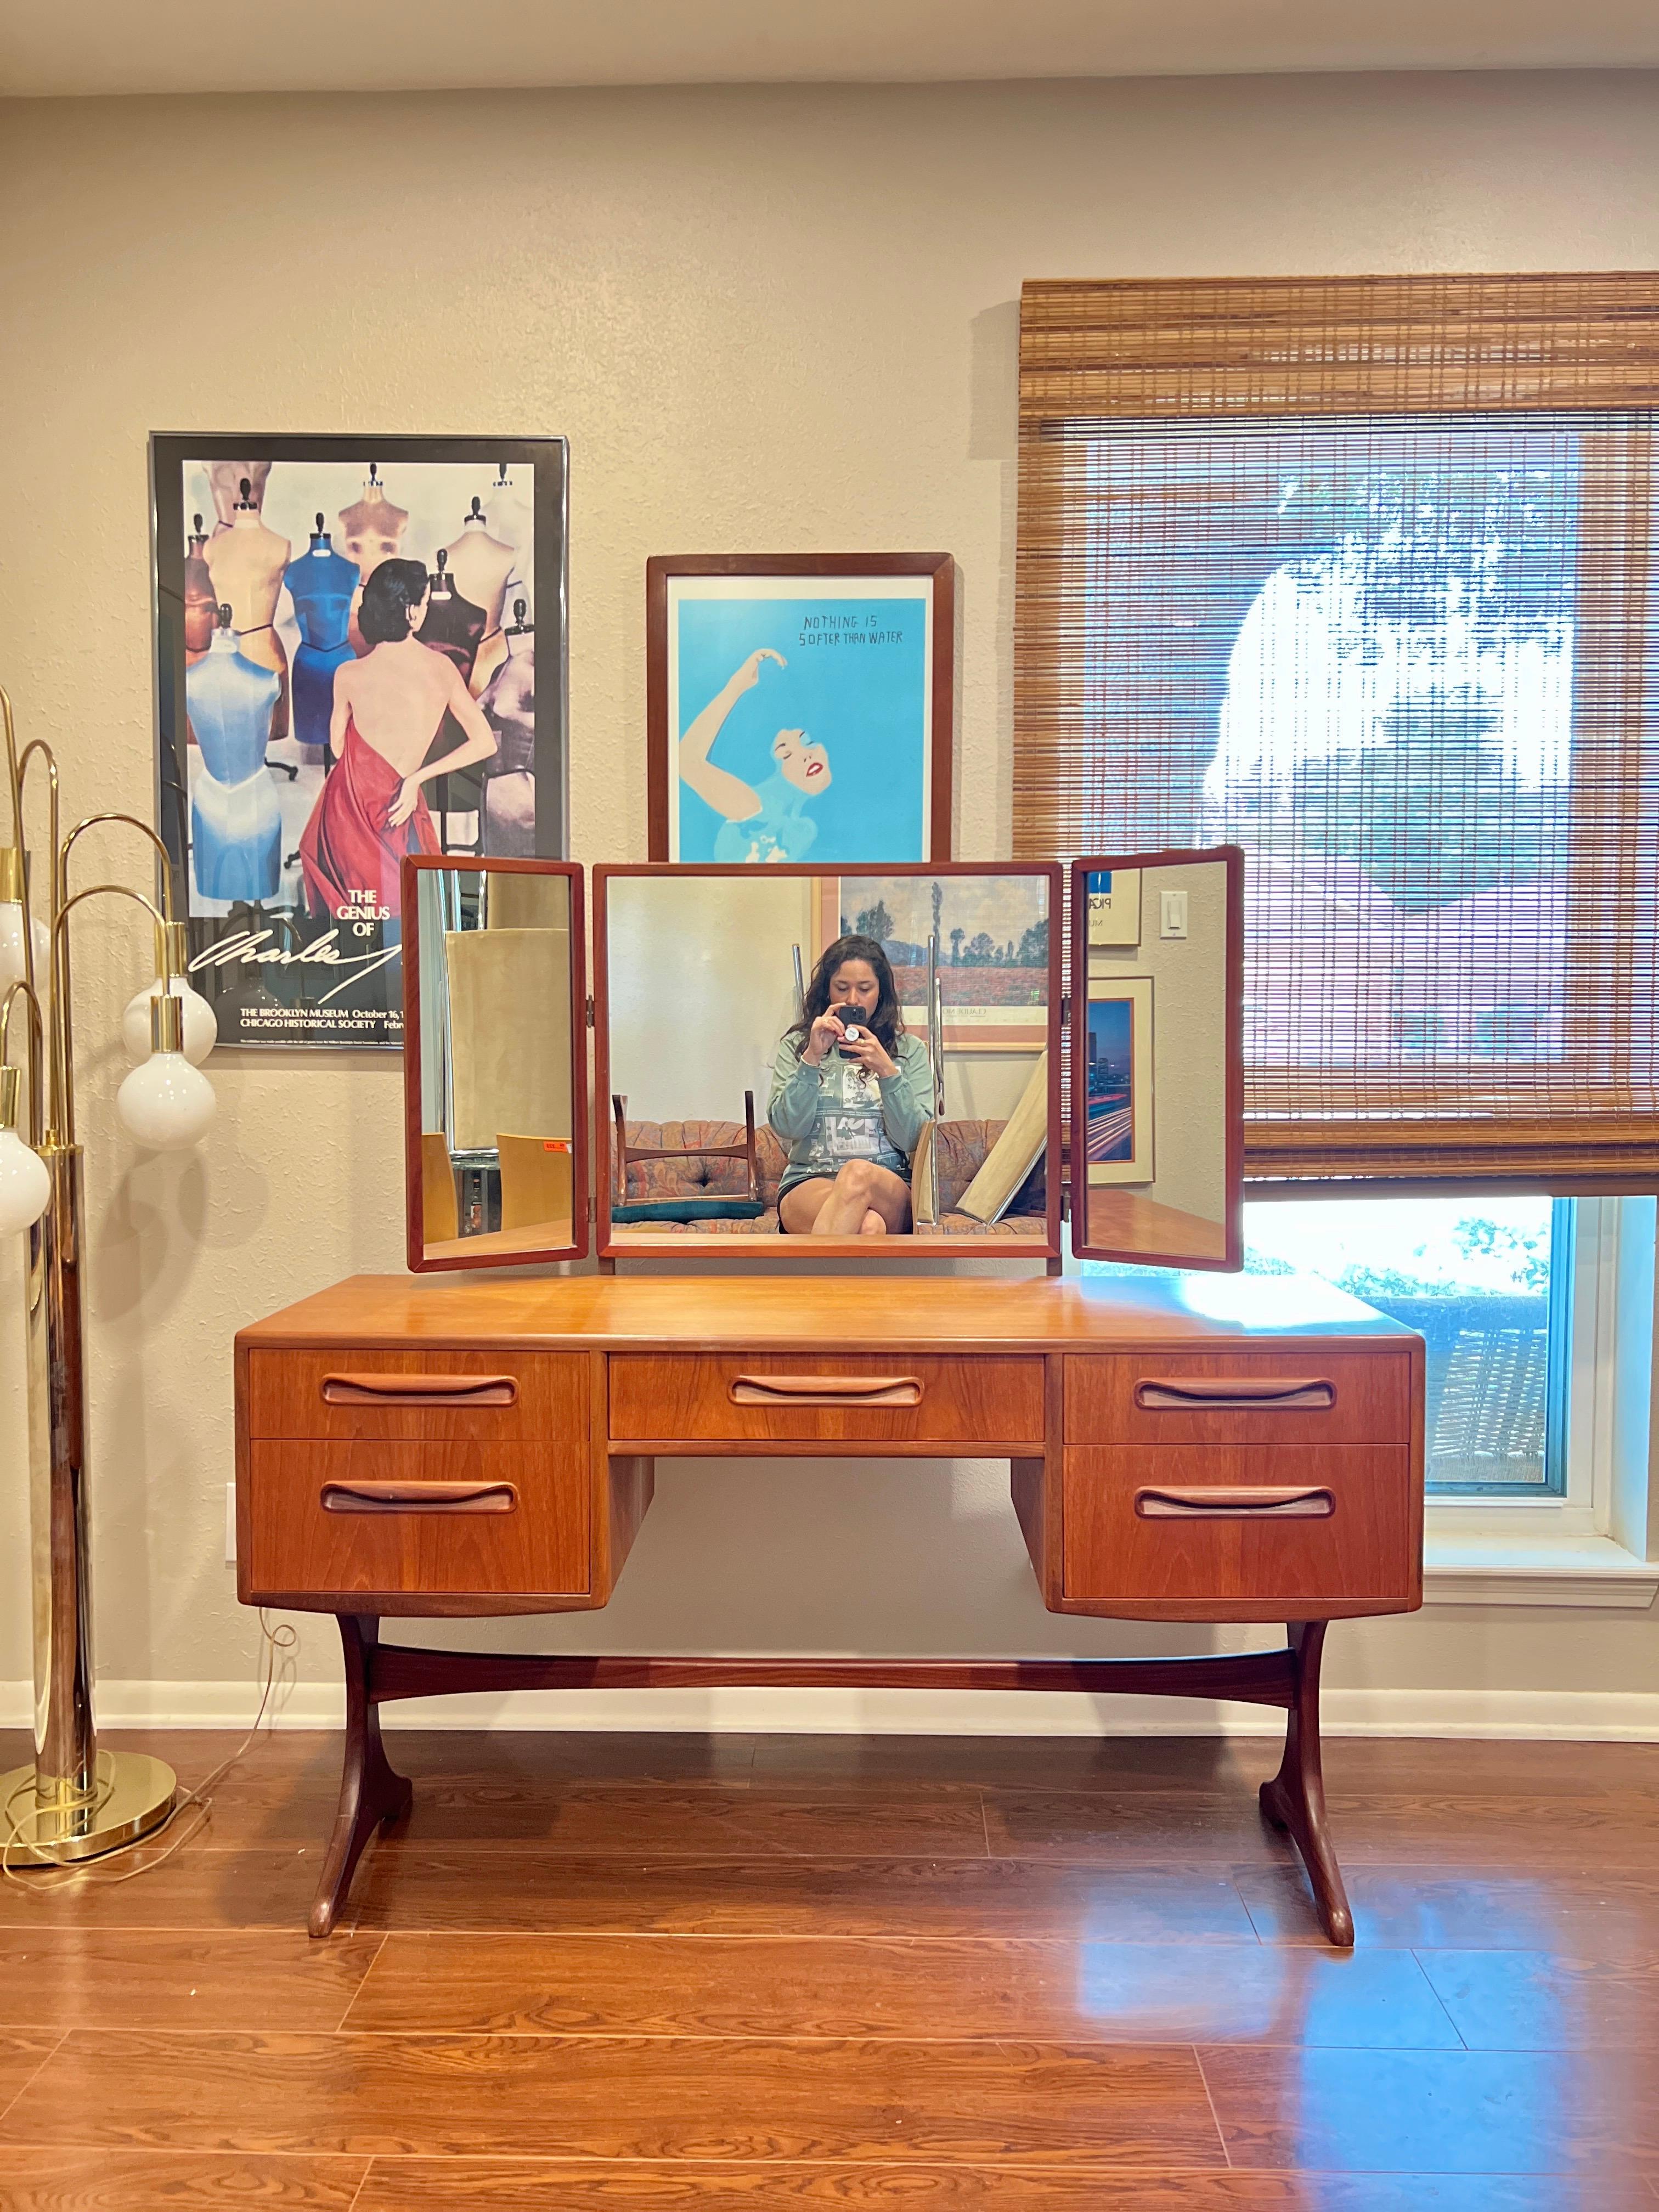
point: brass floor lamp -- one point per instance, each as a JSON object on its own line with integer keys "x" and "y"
{"x": 75, "y": 1801}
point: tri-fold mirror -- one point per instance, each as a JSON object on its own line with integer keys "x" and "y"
{"x": 864, "y": 1061}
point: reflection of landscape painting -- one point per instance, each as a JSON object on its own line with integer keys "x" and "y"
{"x": 993, "y": 937}
{"x": 1120, "y": 1045}
{"x": 992, "y": 934}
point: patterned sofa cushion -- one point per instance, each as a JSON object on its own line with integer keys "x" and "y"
{"x": 960, "y": 1148}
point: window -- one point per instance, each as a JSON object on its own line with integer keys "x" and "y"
{"x": 1537, "y": 1319}
{"x": 1488, "y": 1284}
{"x": 1357, "y": 574}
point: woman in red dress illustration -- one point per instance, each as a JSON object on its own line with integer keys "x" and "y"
{"x": 388, "y": 707}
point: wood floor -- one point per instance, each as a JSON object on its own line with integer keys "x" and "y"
{"x": 689, "y": 1974}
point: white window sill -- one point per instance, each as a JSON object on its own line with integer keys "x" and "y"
{"x": 1589, "y": 1571}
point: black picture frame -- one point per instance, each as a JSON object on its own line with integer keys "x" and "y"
{"x": 279, "y": 973}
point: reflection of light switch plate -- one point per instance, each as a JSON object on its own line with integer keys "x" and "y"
{"x": 1174, "y": 912}
{"x": 230, "y": 1524}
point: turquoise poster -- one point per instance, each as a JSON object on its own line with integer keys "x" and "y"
{"x": 800, "y": 725}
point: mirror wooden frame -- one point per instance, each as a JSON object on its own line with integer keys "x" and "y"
{"x": 414, "y": 867}
{"x": 1233, "y": 1049}
{"x": 689, "y": 1242}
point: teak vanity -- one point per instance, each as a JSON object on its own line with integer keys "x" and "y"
{"x": 431, "y": 1446}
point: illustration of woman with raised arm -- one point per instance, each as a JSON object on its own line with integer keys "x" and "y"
{"x": 765, "y": 824}
{"x": 388, "y": 708}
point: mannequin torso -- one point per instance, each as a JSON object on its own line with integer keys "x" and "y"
{"x": 371, "y": 530}
{"x": 454, "y": 624}
{"x": 201, "y": 600}
{"x": 321, "y": 584}
{"x": 481, "y": 566}
{"x": 235, "y": 821}
{"x": 247, "y": 563}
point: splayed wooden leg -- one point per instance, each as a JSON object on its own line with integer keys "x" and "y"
{"x": 1295, "y": 1799}
{"x": 371, "y": 1794}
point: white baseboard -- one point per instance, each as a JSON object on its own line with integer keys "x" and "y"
{"x": 1612, "y": 1716}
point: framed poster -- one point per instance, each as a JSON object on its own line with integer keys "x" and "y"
{"x": 800, "y": 707}
{"x": 346, "y": 673}
{"x": 1119, "y": 1043}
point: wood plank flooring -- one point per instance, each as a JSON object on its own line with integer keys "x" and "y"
{"x": 604, "y": 1974}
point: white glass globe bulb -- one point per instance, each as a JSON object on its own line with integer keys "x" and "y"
{"x": 12, "y": 964}
{"x": 201, "y": 1022}
{"x": 166, "y": 1102}
{"x": 25, "y": 1185}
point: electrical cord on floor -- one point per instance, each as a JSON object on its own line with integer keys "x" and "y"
{"x": 61, "y": 1874}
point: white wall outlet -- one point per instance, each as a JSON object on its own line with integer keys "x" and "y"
{"x": 1173, "y": 910}
{"x": 230, "y": 1524}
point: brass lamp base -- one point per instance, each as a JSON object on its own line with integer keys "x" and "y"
{"x": 135, "y": 1794}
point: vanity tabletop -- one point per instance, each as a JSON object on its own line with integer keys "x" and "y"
{"x": 878, "y": 1312}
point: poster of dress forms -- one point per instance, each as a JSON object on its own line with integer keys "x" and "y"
{"x": 347, "y": 644}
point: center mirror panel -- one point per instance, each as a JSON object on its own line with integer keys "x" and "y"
{"x": 857, "y": 1060}
{"x": 494, "y": 1092}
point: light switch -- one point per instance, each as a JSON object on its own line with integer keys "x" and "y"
{"x": 1173, "y": 909}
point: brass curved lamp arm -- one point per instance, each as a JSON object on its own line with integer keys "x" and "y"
{"x": 61, "y": 1126}
{"x": 37, "y": 1053}
{"x": 17, "y": 769}
{"x": 132, "y": 821}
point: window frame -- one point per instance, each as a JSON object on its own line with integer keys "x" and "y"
{"x": 1597, "y": 1546}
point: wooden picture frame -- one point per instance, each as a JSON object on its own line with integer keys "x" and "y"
{"x": 641, "y": 1243}
{"x": 481, "y": 1253}
{"x": 1147, "y": 1228}
{"x": 819, "y": 642}
{"x": 1130, "y": 1159}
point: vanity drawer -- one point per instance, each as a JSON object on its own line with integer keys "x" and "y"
{"x": 345, "y": 1519}
{"x": 1244, "y": 1532}
{"x": 420, "y": 1397}
{"x": 1301, "y": 1395}
{"x": 767, "y": 1398}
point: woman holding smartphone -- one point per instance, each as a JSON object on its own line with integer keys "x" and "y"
{"x": 851, "y": 1095}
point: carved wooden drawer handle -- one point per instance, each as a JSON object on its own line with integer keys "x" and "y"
{"x": 1213, "y": 1504}
{"x": 419, "y": 1391}
{"x": 419, "y": 1497}
{"x": 1189, "y": 1394}
{"x": 825, "y": 1390}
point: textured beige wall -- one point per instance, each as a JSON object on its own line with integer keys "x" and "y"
{"x": 764, "y": 319}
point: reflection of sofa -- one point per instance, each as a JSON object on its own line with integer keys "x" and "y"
{"x": 959, "y": 1148}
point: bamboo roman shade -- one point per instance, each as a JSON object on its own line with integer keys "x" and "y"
{"x": 1359, "y": 573}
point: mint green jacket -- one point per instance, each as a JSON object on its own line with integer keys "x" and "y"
{"x": 834, "y": 1113}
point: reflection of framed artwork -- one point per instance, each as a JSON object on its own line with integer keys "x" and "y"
{"x": 1114, "y": 906}
{"x": 284, "y": 568}
{"x": 1119, "y": 1042}
{"x": 993, "y": 939}
{"x": 800, "y": 707}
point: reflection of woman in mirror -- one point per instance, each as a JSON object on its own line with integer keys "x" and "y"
{"x": 768, "y": 825}
{"x": 851, "y": 1095}
{"x": 388, "y": 707}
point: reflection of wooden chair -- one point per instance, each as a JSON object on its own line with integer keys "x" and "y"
{"x": 536, "y": 1181}
{"x": 439, "y": 1216}
{"x": 626, "y": 1159}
